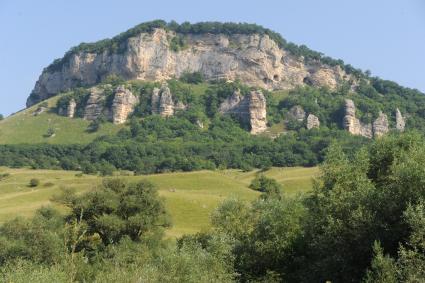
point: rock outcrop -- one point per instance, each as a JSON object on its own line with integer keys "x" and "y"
{"x": 257, "y": 112}
{"x": 380, "y": 126}
{"x": 352, "y": 124}
{"x": 400, "y": 122}
{"x": 69, "y": 110}
{"x": 297, "y": 113}
{"x": 95, "y": 104}
{"x": 162, "y": 101}
{"x": 312, "y": 121}
{"x": 254, "y": 59}
{"x": 231, "y": 102}
{"x": 123, "y": 105}
{"x": 250, "y": 109}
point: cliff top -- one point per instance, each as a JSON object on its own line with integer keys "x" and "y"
{"x": 115, "y": 44}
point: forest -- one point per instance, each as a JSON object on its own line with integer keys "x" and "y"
{"x": 364, "y": 221}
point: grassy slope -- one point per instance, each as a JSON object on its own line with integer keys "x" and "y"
{"x": 24, "y": 127}
{"x": 190, "y": 197}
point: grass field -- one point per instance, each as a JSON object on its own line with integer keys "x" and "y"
{"x": 26, "y": 127}
{"x": 190, "y": 197}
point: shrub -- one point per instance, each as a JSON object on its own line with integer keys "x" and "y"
{"x": 192, "y": 78}
{"x": 34, "y": 183}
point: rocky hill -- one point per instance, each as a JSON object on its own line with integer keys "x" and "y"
{"x": 161, "y": 53}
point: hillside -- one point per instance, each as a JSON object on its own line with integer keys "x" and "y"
{"x": 167, "y": 97}
{"x": 190, "y": 197}
{"x": 157, "y": 51}
{"x": 32, "y": 126}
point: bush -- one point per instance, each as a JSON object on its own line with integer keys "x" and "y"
{"x": 192, "y": 78}
{"x": 34, "y": 183}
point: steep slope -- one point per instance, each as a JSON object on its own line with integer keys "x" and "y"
{"x": 160, "y": 52}
{"x": 41, "y": 124}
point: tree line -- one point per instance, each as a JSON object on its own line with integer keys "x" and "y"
{"x": 364, "y": 221}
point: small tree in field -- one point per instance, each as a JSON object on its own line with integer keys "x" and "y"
{"x": 34, "y": 183}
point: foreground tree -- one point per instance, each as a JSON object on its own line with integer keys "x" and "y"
{"x": 117, "y": 209}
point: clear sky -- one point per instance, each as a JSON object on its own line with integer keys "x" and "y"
{"x": 384, "y": 36}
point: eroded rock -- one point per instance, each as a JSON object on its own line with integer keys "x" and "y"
{"x": 380, "y": 125}
{"x": 123, "y": 105}
{"x": 251, "y": 109}
{"x": 352, "y": 124}
{"x": 95, "y": 104}
{"x": 162, "y": 101}
{"x": 400, "y": 123}
{"x": 312, "y": 121}
{"x": 255, "y": 60}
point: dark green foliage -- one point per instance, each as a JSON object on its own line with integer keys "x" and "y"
{"x": 177, "y": 43}
{"x": 364, "y": 221}
{"x": 118, "y": 209}
{"x": 94, "y": 126}
{"x": 50, "y": 133}
{"x": 192, "y": 78}
{"x": 1, "y": 117}
{"x": 34, "y": 183}
{"x": 268, "y": 186}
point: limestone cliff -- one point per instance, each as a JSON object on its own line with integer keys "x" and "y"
{"x": 254, "y": 59}
{"x": 123, "y": 105}
{"x": 250, "y": 109}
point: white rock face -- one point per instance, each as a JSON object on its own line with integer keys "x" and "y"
{"x": 380, "y": 125}
{"x": 352, "y": 124}
{"x": 123, "y": 105}
{"x": 257, "y": 112}
{"x": 312, "y": 121}
{"x": 255, "y": 59}
{"x": 378, "y": 128}
{"x": 250, "y": 108}
{"x": 400, "y": 121}
{"x": 162, "y": 101}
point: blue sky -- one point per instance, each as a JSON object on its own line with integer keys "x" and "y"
{"x": 384, "y": 36}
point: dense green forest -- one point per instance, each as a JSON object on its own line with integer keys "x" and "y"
{"x": 150, "y": 143}
{"x": 363, "y": 222}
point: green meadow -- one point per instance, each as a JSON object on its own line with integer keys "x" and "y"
{"x": 190, "y": 197}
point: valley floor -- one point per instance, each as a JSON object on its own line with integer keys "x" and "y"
{"x": 190, "y": 197}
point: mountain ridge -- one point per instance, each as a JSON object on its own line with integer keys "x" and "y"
{"x": 159, "y": 51}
